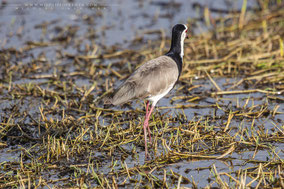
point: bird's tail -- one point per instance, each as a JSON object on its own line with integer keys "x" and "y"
{"x": 125, "y": 93}
{"x": 108, "y": 99}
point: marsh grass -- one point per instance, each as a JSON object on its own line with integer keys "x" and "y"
{"x": 59, "y": 134}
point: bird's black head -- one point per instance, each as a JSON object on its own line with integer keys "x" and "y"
{"x": 178, "y": 29}
{"x": 178, "y": 36}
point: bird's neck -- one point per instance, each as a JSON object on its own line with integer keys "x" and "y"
{"x": 176, "y": 51}
{"x": 177, "y": 46}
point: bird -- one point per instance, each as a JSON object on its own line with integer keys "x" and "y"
{"x": 154, "y": 79}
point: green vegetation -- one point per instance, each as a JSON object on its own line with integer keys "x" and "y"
{"x": 225, "y": 121}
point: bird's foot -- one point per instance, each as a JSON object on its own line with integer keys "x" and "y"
{"x": 147, "y": 157}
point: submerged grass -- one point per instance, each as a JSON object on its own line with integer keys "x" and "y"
{"x": 55, "y": 131}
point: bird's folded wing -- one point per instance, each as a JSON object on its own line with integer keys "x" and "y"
{"x": 152, "y": 78}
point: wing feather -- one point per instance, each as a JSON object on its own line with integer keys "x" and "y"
{"x": 152, "y": 78}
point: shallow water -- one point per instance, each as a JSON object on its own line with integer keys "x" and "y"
{"x": 117, "y": 24}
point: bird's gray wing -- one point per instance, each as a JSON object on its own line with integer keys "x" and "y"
{"x": 152, "y": 78}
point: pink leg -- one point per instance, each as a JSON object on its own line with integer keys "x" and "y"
{"x": 149, "y": 132}
{"x": 146, "y": 125}
{"x": 145, "y": 138}
{"x": 147, "y": 107}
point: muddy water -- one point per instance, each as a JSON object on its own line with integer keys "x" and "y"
{"x": 118, "y": 23}
{"x": 124, "y": 19}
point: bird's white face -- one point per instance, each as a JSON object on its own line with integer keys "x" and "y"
{"x": 183, "y": 36}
